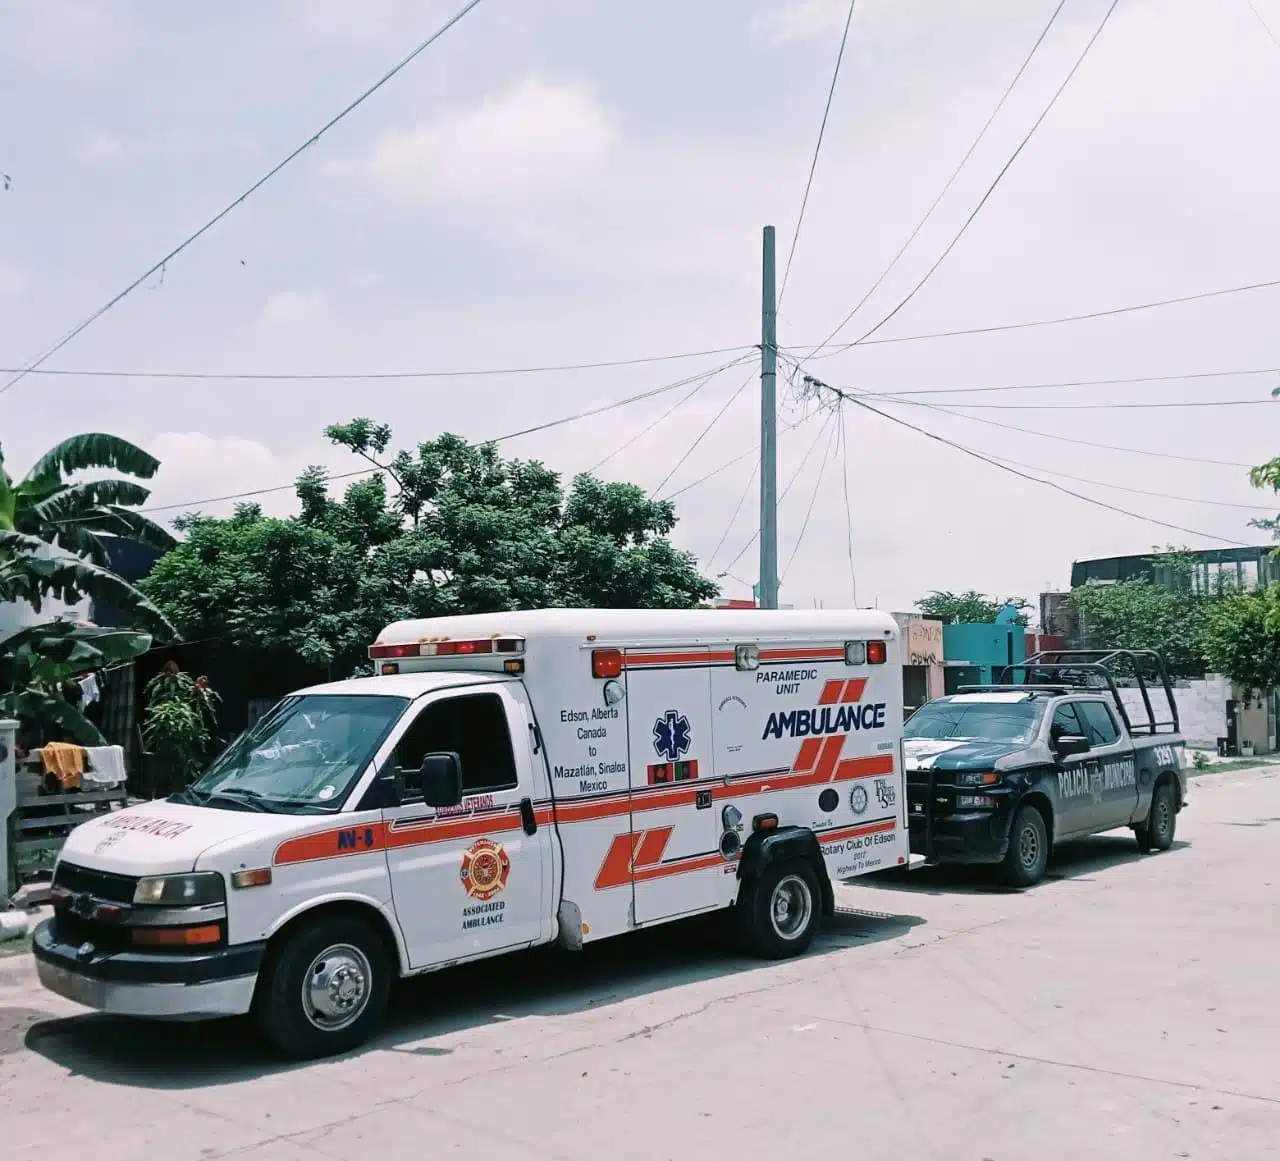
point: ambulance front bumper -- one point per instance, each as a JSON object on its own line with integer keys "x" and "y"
{"x": 161, "y": 986}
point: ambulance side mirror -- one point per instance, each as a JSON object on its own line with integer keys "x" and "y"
{"x": 441, "y": 779}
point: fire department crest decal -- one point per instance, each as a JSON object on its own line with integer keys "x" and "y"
{"x": 672, "y": 735}
{"x": 485, "y": 868}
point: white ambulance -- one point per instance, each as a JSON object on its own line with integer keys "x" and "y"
{"x": 507, "y": 780}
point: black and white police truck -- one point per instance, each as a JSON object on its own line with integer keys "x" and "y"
{"x": 1067, "y": 745}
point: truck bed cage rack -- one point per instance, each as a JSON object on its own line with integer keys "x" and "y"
{"x": 1071, "y": 669}
{"x": 1029, "y": 687}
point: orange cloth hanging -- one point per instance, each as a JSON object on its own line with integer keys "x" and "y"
{"x": 64, "y": 762}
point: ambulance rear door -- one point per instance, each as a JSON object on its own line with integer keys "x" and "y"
{"x": 676, "y": 866}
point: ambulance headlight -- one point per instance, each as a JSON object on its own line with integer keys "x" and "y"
{"x": 180, "y": 890}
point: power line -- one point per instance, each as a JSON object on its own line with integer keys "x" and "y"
{"x": 813, "y": 500}
{"x": 1271, "y": 32}
{"x": 947, "y": 410}
{"x": 343, "y": 376}
{"x": 848, "y": 507}
{"x": 858, "y": 401}
{"x": 950, "y": 181}
{"x": 1135, "y": 491}
{"x": 651, "y": 393}
{"x": 1138, "y": 451}
{"x": 698, "y": 386}
{"x": 999, "y": 176}
{"x": 1066, "y": 383}
{"x": 257, "y": 185}
{"x": 790, "y": 484}
{"x": 817, "y": 150}
{"x": 733, "y": 519}
{"x": 1047, "y": 322}
{"x": 1161, "y": 405}
{"x": 724, "y": 467}
{"x": 704, "y": 433}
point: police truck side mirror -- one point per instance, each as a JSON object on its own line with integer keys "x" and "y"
{"x": 441, "y": 779}
{"x": 1069, "y": 745}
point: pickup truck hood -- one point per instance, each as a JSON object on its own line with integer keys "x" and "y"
{"x": 160, "y": 838}
{"x": 956, "y": 753}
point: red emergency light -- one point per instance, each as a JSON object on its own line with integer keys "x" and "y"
{"x": 475, "y": 648}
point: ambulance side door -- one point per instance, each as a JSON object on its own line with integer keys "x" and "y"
{"x": 469, "y": 880}
{"x": 676, "y": 867}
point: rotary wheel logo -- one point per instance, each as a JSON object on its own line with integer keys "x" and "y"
{"x": 858, "y": 799}
{"x": 485, "y": 868}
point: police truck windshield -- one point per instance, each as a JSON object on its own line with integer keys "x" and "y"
{"x": 304, "y": 756}
{"x": 986, "y": 721}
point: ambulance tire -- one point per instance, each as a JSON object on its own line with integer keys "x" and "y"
{"x": 349, "y": 971}
{"x": 780, "y": 911}
{"x": 1156, "y": 832}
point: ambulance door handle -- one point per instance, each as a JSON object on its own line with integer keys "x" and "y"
{"x": 527, "y": 818}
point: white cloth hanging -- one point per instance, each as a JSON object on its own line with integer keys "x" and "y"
{"x": 105, "y": 765}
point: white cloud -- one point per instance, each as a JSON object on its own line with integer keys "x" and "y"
{"x": 197, "y": 467}
{"x": 534, "y": 140}
{"x": 801, "y": 20}
{"x": 101, "y": 146}
{"x": 12, "y": 281}
{"x": 288, "y": 307}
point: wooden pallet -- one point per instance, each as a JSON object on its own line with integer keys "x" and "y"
{"x": 41, "y": 822}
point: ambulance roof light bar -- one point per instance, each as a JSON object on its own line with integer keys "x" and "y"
{"x": 413, "y": 649}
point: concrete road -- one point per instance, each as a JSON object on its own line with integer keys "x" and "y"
{"x": 1126, "y": 1008}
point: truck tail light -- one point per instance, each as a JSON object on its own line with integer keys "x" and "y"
{"x": 877, "y": 652}
{"x": 606, "y": 663}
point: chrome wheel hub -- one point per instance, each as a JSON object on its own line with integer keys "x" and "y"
{"x": 335, "y": 990}
{"x": 791, "y": 907}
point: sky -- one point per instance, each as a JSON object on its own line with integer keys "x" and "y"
{"x": 568, "y": 182}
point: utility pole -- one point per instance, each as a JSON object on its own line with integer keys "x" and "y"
{"x": 769, "y": 429}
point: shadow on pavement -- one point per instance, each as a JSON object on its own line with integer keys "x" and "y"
{"x": 540, "y": 983}
{"x": 1075, "y": 859}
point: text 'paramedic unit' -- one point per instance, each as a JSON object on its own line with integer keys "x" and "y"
{"x": 507, "y": 780}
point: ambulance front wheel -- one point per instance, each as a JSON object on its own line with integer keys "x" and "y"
{"x": 780, "y": 911}
{"x": 325, "y": 989}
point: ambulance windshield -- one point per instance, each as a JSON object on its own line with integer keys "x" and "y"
{"x": 974, "y": 720}
{"x": 305, "y": 755}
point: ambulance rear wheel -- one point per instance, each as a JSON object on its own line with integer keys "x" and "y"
{"x": 325, "y": 989}
{"x": 780, "y": 911}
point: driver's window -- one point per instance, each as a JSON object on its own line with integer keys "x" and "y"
{"x": 1065, "y": 724}
{"x": 474, "y": 726}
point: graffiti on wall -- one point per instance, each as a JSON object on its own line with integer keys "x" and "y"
{"x": 924, "y": 643}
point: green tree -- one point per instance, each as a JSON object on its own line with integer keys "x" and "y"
{"x": 1242, "y": 637}
{"x": 1140, "y": 615}
{"x": 448, "y": 528}
{"x": 1268, "y": 476}
{"x": 970, "y": 608}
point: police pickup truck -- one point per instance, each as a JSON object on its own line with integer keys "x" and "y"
{"x": 1000, "y": 773}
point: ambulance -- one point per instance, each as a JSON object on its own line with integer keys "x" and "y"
{"x": 504, "y": 781}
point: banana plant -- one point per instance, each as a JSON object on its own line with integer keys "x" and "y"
{"x": 37, "y": 662}
{"x": 74, "y": 516}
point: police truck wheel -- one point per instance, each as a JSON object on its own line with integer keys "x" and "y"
{"x": 1028, "y": 854}
{"x": 1156, "y": 833}
{"x": 325, "y": 990}
{"x": 780, "y": 912}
